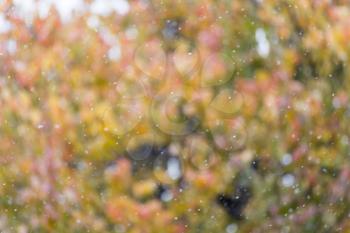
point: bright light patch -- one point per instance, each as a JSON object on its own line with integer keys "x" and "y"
{"x": 5, "y": 25}
{"x": 288, "y": 180}
{"x": 66, "y": 8}
{"x": 114, "y": 53}
{"x": 173, "y": 168}
{"x": 286, "y": 159}
{"x": 263, "y": 43}
{"x": 232, "y": 228}
{"x": 106, "y": 7}
{"x": 93, "y": 22}
{"x": 11, "y": 46}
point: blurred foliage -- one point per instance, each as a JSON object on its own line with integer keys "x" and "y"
{"x": 135, "y": 121}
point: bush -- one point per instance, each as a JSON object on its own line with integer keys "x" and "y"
{"x": 174, "y": 116}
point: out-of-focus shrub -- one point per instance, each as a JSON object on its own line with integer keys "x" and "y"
{"x": 174, "y": 116}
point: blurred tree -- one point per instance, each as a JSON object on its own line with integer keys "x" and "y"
{"x": 174, "y": 116}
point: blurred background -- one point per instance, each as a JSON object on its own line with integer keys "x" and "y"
{"x": 148, "y": 116}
